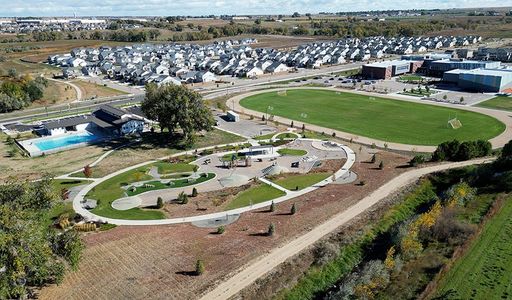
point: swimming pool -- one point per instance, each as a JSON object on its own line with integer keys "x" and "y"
{"x": 65, "y": 141}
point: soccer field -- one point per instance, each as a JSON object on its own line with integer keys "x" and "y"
{"x": 383, "y": 119}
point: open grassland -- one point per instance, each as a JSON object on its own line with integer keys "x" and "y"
{"x": 254, "y": 195}
{"x": 379, "y": 118}
{"x": 500, "y": 102}
{"x": 92, "y": 90}
{"x": 485, "y": 272}
{"x": 300, "y": 181}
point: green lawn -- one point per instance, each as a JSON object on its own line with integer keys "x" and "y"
{"x": 380, "y": 118}
{"x": 291, "y": 182}
{"x": 265, "y": 136}
{"x": 59, "y": 184}
{"x": 110, "y": 190}
{"x": 410, "y": 78}
{"x": 254, "y": 195}
{"x": 286, "y": 135}
{"x": 292, "y": 152}
{"x": 169, "y": 168}
{"x": 485, "y": 272}
{"x": 500, "y": 102}
{"x": 157, "y": 185}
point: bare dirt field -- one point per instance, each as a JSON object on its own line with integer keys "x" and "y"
{"x": 156, "y": 262}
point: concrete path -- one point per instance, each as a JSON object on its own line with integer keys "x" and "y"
{"x": 497, "y": 142}
{"x": 74, "y": 86}
{"x": 77, "y": 205}
{"x": 265, "y": 264}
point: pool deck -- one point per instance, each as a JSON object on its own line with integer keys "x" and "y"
{"x": 34, "y": 151}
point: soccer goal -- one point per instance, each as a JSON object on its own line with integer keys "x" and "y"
{"x": 282, "y": 93}
{"x": 455, "y": 123}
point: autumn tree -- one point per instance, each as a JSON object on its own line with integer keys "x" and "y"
{"x": 177, "y": 108}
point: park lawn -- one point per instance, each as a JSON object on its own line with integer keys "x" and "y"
{"x": 265, "y": 136}
{"x": 500, "y": 102}
{"x": 485, "y": 271}
{"x": 179, "y": 183}
{"x": 254, "y": 195}
{"x": 302, "y": 181}
{"x": 286, "y": 135}
{"x": 108, "y": 191}
{"x": 59, "y": 184}
{"x": 169, "y": 168}
{"x": 410, "y": 78}
{"x": 292, "y": 152}
{"x": 383, "y": 119}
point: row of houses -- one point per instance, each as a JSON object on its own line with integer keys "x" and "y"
{"x": 51, "y": 24}
{"x": 187, "y": 63}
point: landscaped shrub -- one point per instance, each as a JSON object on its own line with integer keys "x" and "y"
{"x": 194, "y": 192}
{"x": 221, "y": 229}
{"x": 417, "y": 160}
{"x": 271, "y": 229}
{"x": 293, "y": 210}
{"x": 199, "y": 267}
{"x": 381, "y": 165}
{"x": 457, "y": 151}
{"x": 272, "y": 207}
{"x": 159, "y": 203}
{"x": 86, "y": 227}
{"x": 183, "y": 198}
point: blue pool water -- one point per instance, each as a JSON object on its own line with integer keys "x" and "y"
{"x": 65, "y": 141}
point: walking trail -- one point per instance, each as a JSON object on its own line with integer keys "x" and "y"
{"x": 261, "y": 265}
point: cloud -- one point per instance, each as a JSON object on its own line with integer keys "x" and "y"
{"x": 204, "y": 7}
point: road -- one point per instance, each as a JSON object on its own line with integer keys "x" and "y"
{"x": 265, "y": 264}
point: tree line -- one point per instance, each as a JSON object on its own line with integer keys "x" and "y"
{"x": 19, "y": 92}
{"x": 32, "y": 254}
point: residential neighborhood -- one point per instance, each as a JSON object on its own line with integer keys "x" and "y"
{"x": 191, "y": 63}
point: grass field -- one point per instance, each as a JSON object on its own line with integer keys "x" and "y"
{"x": 500, "y": 102}
{"x": 301, "y": 181}
{"x": 179, "y": 183}
{"x": 92, "y": 90}
{"x": 254, "y": 195}
{"x": 485, "y": 272}
{"x": 292, "y": 152}
{"x": 379, "y": 118}
{"x": 410, "y": 78}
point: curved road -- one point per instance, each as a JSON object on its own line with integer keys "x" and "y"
{"x": 497, "y": 142}
{"x": 262, "y": 265}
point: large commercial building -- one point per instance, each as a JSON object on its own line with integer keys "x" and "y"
{"x": 481, "y": 80}
{"x": 388, "y": 69}
{"x": 439, "y": 67}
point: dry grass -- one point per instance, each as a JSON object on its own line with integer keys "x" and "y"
{"x": 56, "y": 93}
{"x": 134, "y": 262}
{"x": 93, "y": 90}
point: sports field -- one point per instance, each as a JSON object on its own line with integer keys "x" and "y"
{"x": 383, "y": 119}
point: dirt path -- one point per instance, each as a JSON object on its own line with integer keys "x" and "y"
{"x": 251, "y": 273}
{"x": 74, "y": 86}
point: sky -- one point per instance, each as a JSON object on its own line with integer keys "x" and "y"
{"x": 37, "y": 8}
